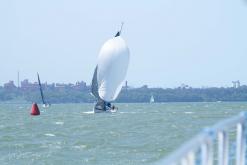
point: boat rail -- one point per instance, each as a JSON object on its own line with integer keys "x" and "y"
{"x": 211, "y": 146}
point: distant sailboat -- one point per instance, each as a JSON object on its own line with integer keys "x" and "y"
{"x": 152, "y": 99}
{"x": 45, "y": 104}
{"x": 110, "y": 72}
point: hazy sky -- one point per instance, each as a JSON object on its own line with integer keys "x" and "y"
{"x": 199, "y": 43}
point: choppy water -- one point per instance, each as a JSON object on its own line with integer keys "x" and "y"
{"x": 69, "y": 134}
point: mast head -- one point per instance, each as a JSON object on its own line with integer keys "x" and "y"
{"x": 119, "y": 32}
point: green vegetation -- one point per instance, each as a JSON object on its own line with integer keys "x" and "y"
{"x": 68, "y": 95}
{"x": 63, "y": 95}
{"x": 184, "y": 95}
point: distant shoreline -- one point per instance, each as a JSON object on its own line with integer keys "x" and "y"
{"x": 127, "y": 95}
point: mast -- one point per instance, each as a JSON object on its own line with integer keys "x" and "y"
{"x": 18, "y": 79}
{"x": 121, "y": 27}
{"x": 119, "y": 32}
{"x": 41, "y": 91}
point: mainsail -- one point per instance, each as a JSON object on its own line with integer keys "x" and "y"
{"x": 152, "y": 99}
{"x": 94, "y": 86}
{"x": 111, "y": 70}
{"x": 100, "y": 105}
{"x": 41, "y": 91}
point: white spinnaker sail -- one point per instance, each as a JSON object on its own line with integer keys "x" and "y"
{"x": 112, "y": 65}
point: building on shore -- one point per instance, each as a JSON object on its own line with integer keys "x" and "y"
{"x": 9, "y": 85}
{"x": 26, "y": 85}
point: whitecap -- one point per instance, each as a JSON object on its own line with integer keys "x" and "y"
{"x": 128, "y": 112}
{"x": 49, "y": 134}
{"x": 80, "y": 146}
{"x": 188, "y": 112}
{"x": 88, "y": 112}
{"x": 59, "y": 122}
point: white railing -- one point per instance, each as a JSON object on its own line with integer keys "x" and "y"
{"x": 212, "y": 145}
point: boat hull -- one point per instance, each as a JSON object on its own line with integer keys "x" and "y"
{"x": 46, "y": 105}
{"x": 109, "y": 110}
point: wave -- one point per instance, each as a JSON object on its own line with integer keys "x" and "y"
{"x": 49, "y": 134}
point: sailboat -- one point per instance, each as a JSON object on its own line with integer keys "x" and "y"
{"x": 152, "y": 99}
{"x": 109, "y": 73}
{"x": 45, "y": 104}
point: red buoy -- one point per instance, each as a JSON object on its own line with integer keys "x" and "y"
{"x": 35, "y": 109}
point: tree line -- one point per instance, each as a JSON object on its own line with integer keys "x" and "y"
{"x": 135, "y": 95}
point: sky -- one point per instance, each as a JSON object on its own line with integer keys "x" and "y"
{"x": 171, "y": 42}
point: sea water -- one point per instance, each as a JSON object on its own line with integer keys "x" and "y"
{"x": 71, "y": 134}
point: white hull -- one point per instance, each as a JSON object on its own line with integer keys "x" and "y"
{"x": 46, "y": 105}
